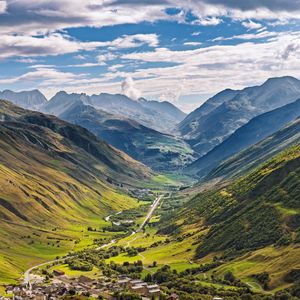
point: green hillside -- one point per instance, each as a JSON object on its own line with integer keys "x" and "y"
{"x": 258, "y": 213}
{"x": 56, "y": 180}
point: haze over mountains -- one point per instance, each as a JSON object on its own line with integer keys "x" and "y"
{"x": 248, "y": 159}
{"x": 252, "y": 132}
{"x": 230, "y": 121}
{"x": 160, "y": 116}
{"x": 72, "y": 168}
{"x": 160, "y": 151}
{"x": 27, "y": 99}
{"x": 221, "y": 115}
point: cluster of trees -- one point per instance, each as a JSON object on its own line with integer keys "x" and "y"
{"x": 133, "y": 270}
{"x": 81, "y": 265}
{"x": 185, "y": 285}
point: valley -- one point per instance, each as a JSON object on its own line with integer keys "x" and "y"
{"x": 93, "y": 198}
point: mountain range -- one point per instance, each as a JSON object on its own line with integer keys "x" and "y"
{"x": 26, "y": 99}
{"x": 224, "y": 113}
{"x": 162, "y": 152}
{"x": 225, "y": 124}
{"x": 161, "y": 116}
{"x": 248, "y": 159}
{"x": 249, "y": 134}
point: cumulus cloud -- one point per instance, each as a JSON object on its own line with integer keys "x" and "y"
{"x": 51, "y": 75}
{"x": 209, "y": 21}
{"x": 114, "y": 68}
{"x": 248, "y": 36}
{"x": 200, "y": 68}
{"x": 196, "y": 33}
{"x": 171, "y": 95}
{"x": 129, "y": 89}
{"x": 133, "y": 41}
{"x": 52, "y": 44}
{"x": 33, "y": 17}
{"x": 102, "y": 58}
{"x": 251, "y": 25}
{"x": 192, "y": 43}
{"x": 3, "y": 7}
{"x": 27, "y": 60}
{"x": 290, "y": 50}
{"x": 57, "y": 44}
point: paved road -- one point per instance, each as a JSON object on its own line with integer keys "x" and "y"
{"x": 150, "y": 213}
{"x": 27, "y": 273}
{"x": 147, "y": 218}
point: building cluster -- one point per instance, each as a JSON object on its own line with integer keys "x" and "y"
{"x": 63, "y": 285}
{"x": 139, "y": 287}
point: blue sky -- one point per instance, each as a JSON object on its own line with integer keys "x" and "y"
{"x": 164, "y": 50}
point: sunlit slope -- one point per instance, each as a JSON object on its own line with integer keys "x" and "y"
{"x": 257, "y": 211}
{"x": 56, "y": 179}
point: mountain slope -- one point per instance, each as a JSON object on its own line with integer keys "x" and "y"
{"x": 160, "y": 116}
{"x": 56, "y": 179}
{"x": 254, "y": 131}
{"x": 208, "y": 130}
{"x": 189, "y": 126}
{"x": 62, "y": 101}
{"x": 258, "y": 211}
{"x": 157, "y": 150}
{"x": 26, "y": 99}
{"x": 251, "y": 157}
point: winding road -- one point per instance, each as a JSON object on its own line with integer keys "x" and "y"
{"x": 154, "y": 205}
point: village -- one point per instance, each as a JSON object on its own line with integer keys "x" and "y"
{"x": 102, "y": 288}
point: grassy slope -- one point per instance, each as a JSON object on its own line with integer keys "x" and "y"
{"x": 53, "y": 179}
{"x": 253, "y": 222}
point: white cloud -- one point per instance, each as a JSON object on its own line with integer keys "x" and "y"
{"x": 80, "y": 57}
{"x": 251, "y": 25}
{"x": 58, "y": 44}
{"x": 27, "y": 60}
{"x": 242, "y": 65}
{"x": 196, "y": 33}
{"x": 53, "y": 44}
{"x": 129, "y": 89}
{"x": 3, "y": 7}
{"x": 248, "y": 36}
{"x": 114, "y": 68}
{"x": 41, "y": 17}
{"x": 50, "y": 75}
{"x": 192, "y": 43}
{"x": 133, "y": 41}
{"x": 171, "y": 95}
{"x": 208, "y": 21}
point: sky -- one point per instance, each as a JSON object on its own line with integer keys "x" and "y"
{"x": 179, "y": 51}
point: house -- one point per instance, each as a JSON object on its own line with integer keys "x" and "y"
{"x": 153, "y": 292}
{"x": 217, "y": 298}
{"x": 173, "y": 296}
{"x": 123, "y": 282}
{"x": 153, "y": 286}
{"x": 135, "y": 282}
{"x": 139, "y": 289}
